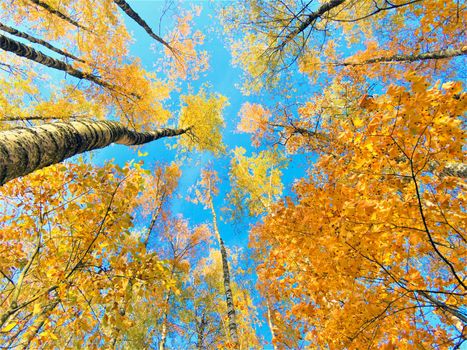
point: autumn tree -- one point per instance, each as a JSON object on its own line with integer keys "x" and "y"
{"x": 190, "y": 310}
{"x": 256, "y": 186}
{"x": 163, "y": 322}
{"x": 211, "y": 317}
{"x": 116, "y": 85}
{"x": 209, "y": 189}
{"x": 62, "y": 246}
{"x": 275, "y": 36}
{"x": 352, "y": 189}
{"x": 80, "y": 269}
{"x": 368, "y": 251}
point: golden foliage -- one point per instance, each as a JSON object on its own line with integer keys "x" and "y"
{"x": 256, "y": 181}
{"x": 202, "y": 113}
{"x": 376, "y": 236}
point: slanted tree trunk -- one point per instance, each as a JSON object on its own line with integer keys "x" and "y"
{"x": 35, "y": 40}
{"x": 38, "y": 323}
{"x": 23, "y": 150}
{"x": 134, "y": 16}
{"x": 233, "y": 329}
{"x": 17, "y": 118}
{"x": 433, "y": 55}
{"x": 309, "y": 20}
{"x": 30, "y": 53}
{"x": 57, "y": 13}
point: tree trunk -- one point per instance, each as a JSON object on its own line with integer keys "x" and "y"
{"x": 309, "y": 20}
{"x": 38, "y": 323}
{"x": 165, "y": 320}
{"x": 433, "y": 55}
{"x": 154, "y": 217}
{"x": 233, "y": 329}
{"x": 23, "y": 150}
{"x": 16, "y": 118}
{"x": 35, "y": 40}
{"x": 28, "y": 52}
{"x": 270, "y": 323}
{"x": 134, "y": 16}
{"x": 58, "y": 14}
{"x": 200, "y": 329}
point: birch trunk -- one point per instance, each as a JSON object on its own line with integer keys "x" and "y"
{"x": 16, "y": 118}
{"x": 270, "y": 323}
{"x": 165, "y": 320}
{"x": 200, "y": 329}
{"x": 433, "y": 55}
{"x": 57, "y": 13}
{"x": 35, "y": 40}
{"x": 30, "y": 53}
{"x": 310, "y": 19}
{"x": 24, "y": 150}
{"x": 233, "y": 329}
{"x": 135, "y": 17}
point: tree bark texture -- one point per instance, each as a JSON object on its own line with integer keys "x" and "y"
{"x": 28, "y": 52}
{"x": 165, "y": 320}
{"x": 24, "y": 150}
{"x": 270, "y": 323}
{"x": 233, "y": 329}
{"x": 59, "y": 14}
{"x": 35, "y": 40}
{"x": 134, "y": 16}
{"x": 434, "y": 55}
{"x": 17, "y": 118}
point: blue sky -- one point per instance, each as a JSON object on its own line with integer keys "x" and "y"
{"x": 223, "y": 79}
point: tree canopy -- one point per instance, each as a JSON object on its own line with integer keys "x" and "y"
{"x": 234, "y": 175}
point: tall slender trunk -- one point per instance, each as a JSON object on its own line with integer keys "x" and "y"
{"x": 165, "y": 321}
{"x": 270, "y": 323}
{"x": 15, "y": 118}
{"x": 200, "y": 329}
{"x": 30, "y": 53}
{"x": 233, "y": 329}
{"x": 23, "y": 150}
{"x": 57, "y": 13}
{"x": 165, "y": 317}
{"x": 433, "y": 55}
{"x": 35, "y": 40}
{"x": 134, "y": 16}
{"x": 155, "y": 215}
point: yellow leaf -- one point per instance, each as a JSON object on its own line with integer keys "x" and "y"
{"x": 8, "y": 327}
{"x": 357, "y": 122}
{"x": 37, "y": 309}
{"x": 142, "y": 154}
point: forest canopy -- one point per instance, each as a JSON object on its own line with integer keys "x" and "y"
{"x": 233, "y": 175}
